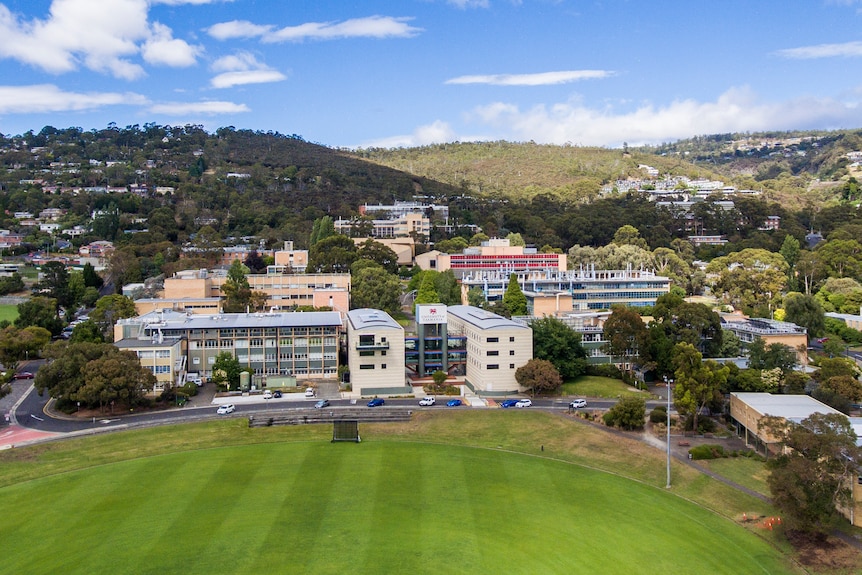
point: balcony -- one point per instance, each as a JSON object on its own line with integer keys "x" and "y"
{"x": 369, "y": 346}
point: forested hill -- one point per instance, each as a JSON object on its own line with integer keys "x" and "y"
{"x": 794, "y": 168}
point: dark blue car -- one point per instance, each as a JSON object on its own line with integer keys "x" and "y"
{"x": 376, "y": 402}
{"x": 509, "y": 403}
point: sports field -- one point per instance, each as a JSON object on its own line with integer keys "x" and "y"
{"x": 381, "y": 506}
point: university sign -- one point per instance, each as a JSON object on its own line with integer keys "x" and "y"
{"x": 430, "y": 314}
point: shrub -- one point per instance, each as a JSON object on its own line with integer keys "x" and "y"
{"x": 627, "y": 414}
{"x": 604, "y": 370}
{"x": 658, "y": 415}
{"x": 707, "y": 451}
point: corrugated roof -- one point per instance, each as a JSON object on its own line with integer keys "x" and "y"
{"x": 791, "y": 407}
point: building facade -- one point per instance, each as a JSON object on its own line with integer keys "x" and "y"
{"x": 375, "y": 353}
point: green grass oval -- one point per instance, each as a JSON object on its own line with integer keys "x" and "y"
{"x": 375, "y": 507}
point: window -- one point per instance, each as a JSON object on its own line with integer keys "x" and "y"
{"x": 365, "y": 353}
{"x": 511, "y": 366}
{"x": 512, "y": 339}
{"x": 196, "y": 360}
{"x": 383, "y": 366}
{"x": 366, "y": 339}
{"x": 511, "y": 352}
{"x": 493, "y": 352}
{"x": 366, "y": 366}
{"x": 493, "y": 366}
{"x": 493, "y": 339}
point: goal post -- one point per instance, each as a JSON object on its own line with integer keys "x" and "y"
{"x": 345, "y": 431}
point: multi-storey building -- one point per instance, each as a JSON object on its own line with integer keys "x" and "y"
{"x": 552, "y": 292}
{"x": 770, "y": 331}
{"x": 164, "y": 356}
{"x": 375, "y": 353}
{"x": 300, "y": 344}
{"x": 495, "y": 255}
{"x": 410, "y": 224}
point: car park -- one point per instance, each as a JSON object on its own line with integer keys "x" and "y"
{"x": 225, "y": 409}
{"x": 509, "y": 403}
{"x": 426, "y": 401}
{"x": 321, "y": 404}
{"x": 578, "y": 403}
{"x": 454, "y": 403}
{"x": 376, "y": 402}
{"x": 524, "y": 403}
{"x": 24, "y": 375}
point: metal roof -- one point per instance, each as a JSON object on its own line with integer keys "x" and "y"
{"x": 481, "y": 318}
{"x": 365, "y": 318}
{"x": 791, "y": 407}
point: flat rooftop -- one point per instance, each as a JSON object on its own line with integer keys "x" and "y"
{"x": 791, "y": 407}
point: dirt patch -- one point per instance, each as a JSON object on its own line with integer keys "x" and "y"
{"x": 830, "y": 554}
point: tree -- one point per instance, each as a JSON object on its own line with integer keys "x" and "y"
{"x": 321, "y": 229}
{"x": 41, "y": 312}
{"x": 846, "y": 386}
{"x": 790, "y": 250}
{"x": 629, "y": 235}
{"x": 625, "y": 333}
{"x": 835, "y": 367}
{"x": 804, "y": 310}
{"x": 373, "y": 287}
{"x": 91, "y": 278}
{"x": 87, "y": 331}
{"x": 116, "y": 375}
{"x": 539, "y": 375}
{"x": 841, "y": 258}
{"x": 376, "y": 252}
{"x": 761, "y": 356}
{"x": 110, "y": 309}
{"x": 333, "y": 254}
{"x": 226, "y": 370}
{"x": 476, "y": 297}
{"x": 628, "y": 413}
{"x": 427, "y": 292}
{"x": 236, "y": 289}
{"x": 556, "y": 342}
{"x": 747, "y": 276}
{"x": 515, "y": 239}
{"x": 812, "y": 478}
{"x": 454, "y": 245}
{"x": 514, "y": 299}
{"x": 731, "y": 346}
{"x": 698, "y": 383}
{"x": 63, "y": 375}
{"x": 254, "y": 262}
{"x": 18, "y": 344}
{"x": 55, "y": 284}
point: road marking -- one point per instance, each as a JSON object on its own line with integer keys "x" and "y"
{"x": 36, "y": 418}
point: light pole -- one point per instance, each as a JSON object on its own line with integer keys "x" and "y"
{"x": 667, "y": 384}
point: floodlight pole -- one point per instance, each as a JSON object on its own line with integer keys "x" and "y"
{"x": 667, "y": 383}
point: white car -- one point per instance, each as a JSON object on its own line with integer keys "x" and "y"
{"x": 524, "y": 403}
{"x": 309, "y": 392}
{"x": 225, "y": 409}
{"x": 267, "y": 395}
{"x": 578, "y": 403}
{"x": 427, "y": 401}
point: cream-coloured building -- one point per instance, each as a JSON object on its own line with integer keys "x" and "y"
{"x": 495, "y": 255}
{"x": 375, "y": 353}
{"x": 496, "y": 348}
{"x": 283, "y": 290}
{"x": 164, "y": 356}
{"x": 408, "y": 224}
{"x": 770, "y": 331}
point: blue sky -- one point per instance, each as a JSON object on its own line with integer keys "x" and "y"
{"x": 415, "y": 72}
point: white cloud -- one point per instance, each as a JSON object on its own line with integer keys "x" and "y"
{"x": 44, "y": 98}
{"x": 88, "y": 33}
{"x": 229, "y": 79}
{"x": 434, "y": 133}
{"x": 463, "y": 4}
{"x": 539, "y": 79}
{"x": 368, "y": 27}
{"x": 737, "y": 110}
{"x": 243, "y": 68}
{"x": 209, "y": 107}
{"x": 846, "y": 50}
{"x": 162, "y": 48}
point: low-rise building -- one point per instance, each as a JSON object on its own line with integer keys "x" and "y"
{"x": 163, "y": 356}
{"x": 493, "y": 255}
{"x": 770, "y": 331}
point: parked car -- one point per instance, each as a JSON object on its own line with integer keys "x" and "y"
{"x": 376, "y": 402}
{"x": 509, "y": 403}
{"x": 524, "y": 403}
{"x": 454, "y": 403}
{"x": 226, "y": 408}
{"x": 427, "y": 401}
{"x": 267, "y": 395}
{"x": 309, "y": 392}
{"x": 23, "y": 375}
{"x": 578, "y": 403}
{"x": 276, "y": 394}
{"x": 321, "y": 404}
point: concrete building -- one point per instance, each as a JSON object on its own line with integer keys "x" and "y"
{"x": 770, "y": 331}
{"x": 493, "y": 255}
{"x": 496, "y": 348}
{"x": 407, "y": 225}
{"x": 553, "y": 292}
{"x": 164, "y": 356}
{"x": 289, "y": 259}
{"x": 850, "y": 320}
{"x": 399, "y": 209}
{"x": 375, "y": 353}
{"x": 300, "y": 344}
{"x": 284, "y": 291}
